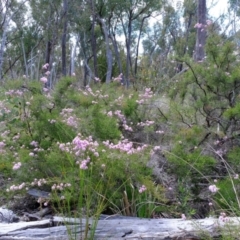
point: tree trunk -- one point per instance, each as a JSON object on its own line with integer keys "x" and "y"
{"x": 117, "y": 55}
{"x": 108, "y": 50}
{"x": 128, "y": 45}
{"x": 3, "y": 44}
{"x": 138, "y": 43}
{"x": 93, "y": 40}
{"x": 64, "y": 36}
{"x": 201, "y": 31}
{"x": 73, "y": 55}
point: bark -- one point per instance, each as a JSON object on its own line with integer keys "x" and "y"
{"x": 24, "y": 58}
{"x": 201, "y": 31}
{"x": 128, "y": 44}
{"x": 108, "y": 50}
{"x": 73, "y": 55}
{"x": 5, "y": 24}
{"x": 64, "y": 37}
{"x": 117, "y": 55}
{"x": 138, "y": 42}
{"x": 127, "y": 35}
{"x": 93, "y": 40}
{"x": 3, "y": 44}
{"x": 48, "y": 51}
{"x": 118, "y": 227}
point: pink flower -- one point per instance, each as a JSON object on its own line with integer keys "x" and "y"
{"x": 45, "y": 66}
{"x": 236, "y": 176}
{"x": 142, "y": 189}
{"x": 213, "y": 188}
{"x": 183, "y": 216}
{"x": 43, "y": 79}
{"x": 209, "y": 22}
{"x": 16, "y": 166}
{"x": 198, "y": 25}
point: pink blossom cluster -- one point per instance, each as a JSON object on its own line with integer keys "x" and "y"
{"x": 72, "y": 121}
{"x": 148, "y": 94}
{"x": 97, "y": 79}
{"x": 89, "y": 90}
{"x": 16, "y": 187}
{"x": 223, "y": 217}
{"x": 81, "y": 145}
{"x": 160, "y": 132}
{"x": 43, "y": 201}
{"x": 103, "y": 96}
{"x": 119, "y": 100}
{"x": 203, "y": 26}
{"x": 183, "y": 216}
{"x": 61, "y": 186}
{"x": 2, "y": 145}
{"x": 17, "y": 165}
{"x": 52, "y": 121}
{"x": 142, "y": 189}
{"x": 43, "y": 79}
{"x": 146, "y": 124}
{"x": 3, "y": 108}
{"x": 14, "y": 93}
{"x": 69, "y": 118}
{"x": 5, "y": 133}
{"x": 65, "y": 147}
{"x": 16, "y": 137}
{"x": 156, "y": 148}
{"x": 124, "y": 146}
{"x": 45, "y": 66}
{"x": 34, "y": 143}
{"x": 38, "y": 182}
{"x": 84, "y": 163}
{"x": 213, "y": 188}
{"x": 122, "y": 119}
{"x": 47, "y": 73}
{"x": 118, "y": 78}
{"x": 198, "y": 25}
{"x": 36, "y": 148}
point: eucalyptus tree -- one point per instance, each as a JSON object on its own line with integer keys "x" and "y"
{"x": 64, "y": 35}
{"x": 201, "y": 30}
{"x": 170, "y": 38}
{"x": 12, "y": 12}
{"x": 131, "y": 13}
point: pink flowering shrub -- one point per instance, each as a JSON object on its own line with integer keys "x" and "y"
{"x": 73, "y": 142}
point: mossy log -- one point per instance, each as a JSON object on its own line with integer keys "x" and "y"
{"x": 113, "y": 228}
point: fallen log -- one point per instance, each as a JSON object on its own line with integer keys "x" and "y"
{"x": 114, "y": 228}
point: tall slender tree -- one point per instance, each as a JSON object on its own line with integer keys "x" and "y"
{"x": 201, "y": 30}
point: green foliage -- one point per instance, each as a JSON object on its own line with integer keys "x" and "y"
{"x": 105, "y": 128}
{"x": 43, "y": 128}
{"x": 227, "y": 197}
{"x": 129, "y": 107}
{"x": 192, "y": 164}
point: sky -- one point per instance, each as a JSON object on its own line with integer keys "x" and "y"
{"x": 220, "y": 6}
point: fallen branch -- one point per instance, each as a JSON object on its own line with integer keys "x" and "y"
{"x": 115, "y": 227}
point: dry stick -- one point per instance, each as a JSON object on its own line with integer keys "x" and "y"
{"x": 126, "y": 203}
